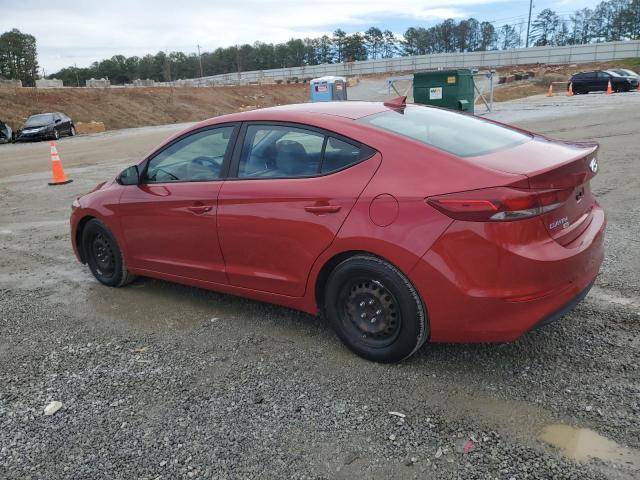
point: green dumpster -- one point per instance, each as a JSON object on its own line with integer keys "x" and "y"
{"x": 445, "y": 88}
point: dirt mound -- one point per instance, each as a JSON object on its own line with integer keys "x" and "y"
{"x": 137, "y": 107}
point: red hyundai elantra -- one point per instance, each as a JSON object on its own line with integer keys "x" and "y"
{"x": 399, "y": 223}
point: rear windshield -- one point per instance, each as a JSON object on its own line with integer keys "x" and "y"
{"x": 42, "y": 119}
{"x": 452, "y": 132}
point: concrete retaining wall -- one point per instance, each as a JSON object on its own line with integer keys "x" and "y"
{"x": 46, "y": 83}
{"x": 10, "y": 83}
{"x": 98, "y": 83}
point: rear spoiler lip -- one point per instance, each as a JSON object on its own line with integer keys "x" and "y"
{"x": 583, "y": 151}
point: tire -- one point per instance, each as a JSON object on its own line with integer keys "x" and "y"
{"x": 375, "y": 310}
{"x": 56, "y": 134}
{"x": 103, "y": 255}
{"x": 72, "y": 131}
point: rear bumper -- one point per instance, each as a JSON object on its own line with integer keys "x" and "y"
{"x": 562, "y": 311}
{"x": 494, "y": 282}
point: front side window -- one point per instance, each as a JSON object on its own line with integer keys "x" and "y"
{"x": 198, "y": 157}
{"x": 461, "y": 135}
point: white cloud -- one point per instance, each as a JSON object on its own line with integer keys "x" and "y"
{"x": 92, "y": 30}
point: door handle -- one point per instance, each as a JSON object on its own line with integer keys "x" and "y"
{"x": 199, "y": 209}
{"x": 320, "y": 209}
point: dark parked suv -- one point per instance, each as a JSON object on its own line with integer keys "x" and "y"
{"x": 585, "y": 82}
{"x": 45, "y": 126}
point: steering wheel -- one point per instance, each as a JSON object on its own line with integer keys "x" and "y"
{"x": 209, "y": 164}
{"x": 160, "y": 169}
{"x": 204, "y": 160}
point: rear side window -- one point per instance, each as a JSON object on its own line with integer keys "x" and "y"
{"x": 338, "y": 155}
{"x": 280, "y": 151}
{"x": 285, "y": 151}
{"x": 461, "y": 135}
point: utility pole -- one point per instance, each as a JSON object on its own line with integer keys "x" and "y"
{"x": 75, "y": 70}
{"x": 238, "y": 63}
{"x": 529, "y": 23}
{"x": 200, "y": 59}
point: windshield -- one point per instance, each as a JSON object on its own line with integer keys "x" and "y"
{"x": 613, "y": 73}
{"x": 42, "y": 119}
{"x": 462, "y": 135}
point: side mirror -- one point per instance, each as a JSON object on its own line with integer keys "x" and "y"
{"x": 58, "y": 120}
{"x": 129, "y": 176}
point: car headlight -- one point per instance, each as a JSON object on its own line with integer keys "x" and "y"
{"x": 75, "y": 204}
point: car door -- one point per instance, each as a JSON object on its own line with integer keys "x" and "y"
{"x": 169, "y": 219}
{"x": 66, "y": 122}
{"x": 580, "y": 83}
{"x": 590, "y": 80}
{"x": 602, "y": 81}
{"x": 294, "y": 188}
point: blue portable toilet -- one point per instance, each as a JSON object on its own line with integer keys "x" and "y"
{"x": 328, "y": 89}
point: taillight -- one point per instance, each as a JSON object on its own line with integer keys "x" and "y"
{"x": 499, "y": 203}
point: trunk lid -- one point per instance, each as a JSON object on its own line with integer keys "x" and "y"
{"x": 554, "y": 165}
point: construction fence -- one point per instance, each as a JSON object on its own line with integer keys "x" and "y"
{"x": 595, "y": 52}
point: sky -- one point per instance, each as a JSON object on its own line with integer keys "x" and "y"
{"x": 72, "y": 32}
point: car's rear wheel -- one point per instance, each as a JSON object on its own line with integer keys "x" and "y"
{"x": 375, "y": 310}
{"x": 103, "y": 255}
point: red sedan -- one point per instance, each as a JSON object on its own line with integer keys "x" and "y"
{"x": 399, "y": 223}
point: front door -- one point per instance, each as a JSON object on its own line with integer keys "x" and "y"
{"x": 169, "y": 219}
{"x": 294, "y": 189}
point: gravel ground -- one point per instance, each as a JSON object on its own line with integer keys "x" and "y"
{"x": 161, "y": 381}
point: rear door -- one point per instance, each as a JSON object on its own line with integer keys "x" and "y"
{"x": 590, "y": 80}
{"x": 294, "y": 188}
{"x": 602, "y": 81}
{"x": 169, "y": 219}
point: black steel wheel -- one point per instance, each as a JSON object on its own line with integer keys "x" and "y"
{"x": 103, "y": 255}
{"x": 56, "y": 134}
{"x": 370, "y": 310}
{"x": 375, "y": 310}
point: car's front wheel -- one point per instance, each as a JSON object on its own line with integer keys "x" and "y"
{"x": 56, "y": 134}
{"x": 72, "y": 131}
{"x": 103, "y": 255}
{"x": 375, "y": 310}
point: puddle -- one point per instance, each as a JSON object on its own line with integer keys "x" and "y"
{"x": 581, "y": 444}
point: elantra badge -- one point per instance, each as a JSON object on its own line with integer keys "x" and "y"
{"x": 593, "y": 165}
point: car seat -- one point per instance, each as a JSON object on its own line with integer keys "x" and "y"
{"x": 292, "y": 159}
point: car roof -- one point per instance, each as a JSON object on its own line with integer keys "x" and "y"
{"x": 351, "y": 110}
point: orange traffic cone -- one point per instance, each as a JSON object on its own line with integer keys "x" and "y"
{"x": 570, "y": 91}
{"x": 550, "y": 91}
{"x": 609, "y": 88}
{"x": 59, "y": 178}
